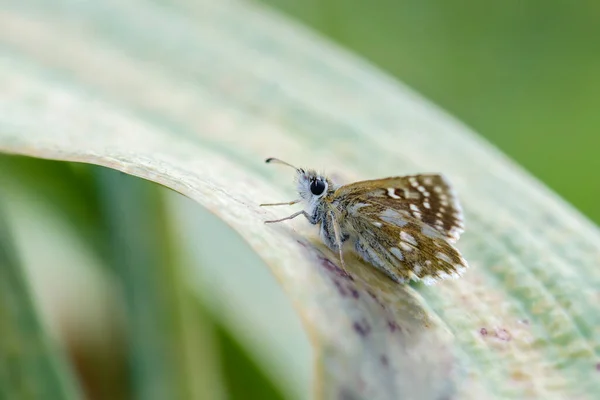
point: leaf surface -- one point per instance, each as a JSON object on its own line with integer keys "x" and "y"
{"x": 194, "y": 95}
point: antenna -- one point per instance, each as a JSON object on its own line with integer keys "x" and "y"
{"x": 278, "y": 161}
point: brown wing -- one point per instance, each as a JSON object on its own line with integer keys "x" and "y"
{"x": 427, "y": 198}
{"x": 404, "y": 247}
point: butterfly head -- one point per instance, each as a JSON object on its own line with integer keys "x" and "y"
{"x": 311, "y": 185}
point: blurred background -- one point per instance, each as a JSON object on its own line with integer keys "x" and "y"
{"x": 524, "y": 75}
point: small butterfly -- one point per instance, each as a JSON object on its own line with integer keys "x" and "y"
{"x": 404, "y": 225}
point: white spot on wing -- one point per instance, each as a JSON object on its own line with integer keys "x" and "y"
{"x": 455, "y": 232}
{"x": 408, "y": 238}
{"x": 392, "y": 193}
{"x": 417, "y": 269}
{"x": 429, "y": 231}
{"x": 397, "y": 253}
{"x": 374, "y": 257}
{"x": 355, "y": 207}
{"x": 393, "y": 217}
{"x": 444, "y": 275}
{"x": 444, "y": 257}
{"x": 406, "y": 247}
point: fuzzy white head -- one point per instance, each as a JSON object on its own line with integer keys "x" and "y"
{"x": 312, "y": 188}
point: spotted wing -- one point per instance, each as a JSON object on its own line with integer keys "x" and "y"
{"x": 403, "y": 247}
{"x": 405, "y": 226}
{"x": 427, "y": 198}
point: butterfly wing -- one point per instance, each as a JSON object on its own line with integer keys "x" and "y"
{"x": 405, "y": 248}
{"x": 405, "y": 226}
{"x": 427, "y": 198}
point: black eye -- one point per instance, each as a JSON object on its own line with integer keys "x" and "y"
{"x": 317, "y": 187}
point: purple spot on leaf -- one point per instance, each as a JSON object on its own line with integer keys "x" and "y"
{"x": 393, "y": 326}
{"x": 483, "y": 332}
{"x": 384, "y": 360}
{"x": 326, "y": 262}
{"x": 376, "y": 299}
{"x": 362, "y": 328}
{"x": 334, "y": 268}
{"x": 346, "y": 289}
{"x": 598, "y": 366}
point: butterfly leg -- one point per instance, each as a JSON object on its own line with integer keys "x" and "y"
{"x": 289, "y": 203}
{"x": 294, "y": 215}
{"x": 338, "y": 238}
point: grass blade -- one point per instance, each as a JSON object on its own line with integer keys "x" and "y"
{"x": 164, "y": 332}
{"x": 31, "y": 366}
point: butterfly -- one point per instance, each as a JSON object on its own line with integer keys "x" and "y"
{"x": 405, "y": 226}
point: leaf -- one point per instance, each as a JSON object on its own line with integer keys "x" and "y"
{"x": 225, "y": 274}
{"x": 194, "y": 95}
{"x": 31, "y": 366}
{"x": 165, "y": 335}
{"x": 85, "y": 312}
{"x": 69, "y": 284}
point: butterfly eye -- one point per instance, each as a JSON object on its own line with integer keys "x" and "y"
{"x": 317, "y": 187}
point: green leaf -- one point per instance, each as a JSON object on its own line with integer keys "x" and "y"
{"x": 167, "y": 339}
{"x": 73, "y": 291}
{"x": 225, "y": 273}
{"x": 78, "y": 296}
{"x": 194, "y": 95}
{"x": 31, "y": 367}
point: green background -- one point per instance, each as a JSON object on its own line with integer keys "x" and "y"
{"x": 524, "y": 74}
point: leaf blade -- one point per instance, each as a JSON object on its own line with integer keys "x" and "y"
{"x": 259, "y": 76}
{"x": 32, "y": 367}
